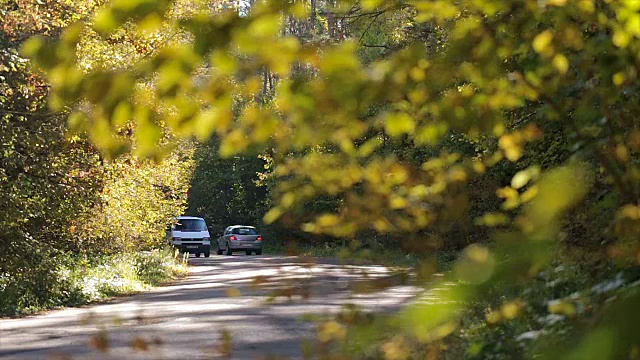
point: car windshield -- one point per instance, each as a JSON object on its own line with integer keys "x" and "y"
{"x": 190, "y": 225}
{"x": 244, "y": 231}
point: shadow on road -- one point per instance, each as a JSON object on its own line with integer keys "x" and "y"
{"x": 254, "y": 302}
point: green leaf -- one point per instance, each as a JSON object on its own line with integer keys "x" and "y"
{"x": 122, "y": 11}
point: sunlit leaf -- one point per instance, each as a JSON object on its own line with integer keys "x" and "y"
{"x": 233, "y": 292}
{"x": 475, "y": 265}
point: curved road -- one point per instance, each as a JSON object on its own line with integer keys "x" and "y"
{"x": 246, "y": 307}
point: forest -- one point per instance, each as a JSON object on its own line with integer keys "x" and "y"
{"x": 493, "y": 141}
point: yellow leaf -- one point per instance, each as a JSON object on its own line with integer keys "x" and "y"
{"x": 542, "y": 43}
{"x": 479, "y": 167}
{"x": 621, "y": 38}
{"x": 476, "y": 264}
{"x": 397, "y": 124}
{"x": 369, "y": 5}
{"x": 507, "y": 193}
{"x": 265, "y": 26}
{"x": 457, "y": 174}
{"x": 586, "y": 6}
{"x": 205, "y": 123}
{"x": 396, "y": 349}
{"x": 397, "y": 202}
{"x": 272, "y": 215}
{"x": 288, "y": 199}
{"x": 629, "y": 212}
{"x": 382, "y": 225}
{"x": 493, "y": 219}
{"x": 225, "y": 346}
{"x": 622, "y": 153}
{"x": 299, "y": 10}
{"x": 148, "y": 133}
{"x": 561, "y": 63}
{"x": 531, "y": 132}
{"x": 521, "y": 178}
{"x": 558, "y": 190}
{"x": 223, "y": 62}
{"x": 235, "y": 142}
{"x": 340, "y": 58}
{"x": 150, "y": 24}
{"x": 493, "y": 317}
{"x": 139, "y": 344}
{"x": 619, "y": 78}
{"x": 511, "y": 144}
{"x": 529, "y": 194}
{"x": 327, "y": 220}
{"x": 369, "y": 147}
{"x": 331, "y": 330}
{"x": 100, "y": 341}
{"x": 512, "y": 309}
{"x": 561, "y": 307}
{"x": 121, "y": 114}
{"x": 431, "y": 134}
{"x": 104, "y": 22}
{"x": 557, "y": 2}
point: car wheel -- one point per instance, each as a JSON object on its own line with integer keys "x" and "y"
{"x": 197, "y": 254}
{"x": 219, "y": 251}
{"x": 259, "y": 252}
{"x": 207, "y": 254}
{"x": 248, "y": 252}
{"x": 229, "y": 251}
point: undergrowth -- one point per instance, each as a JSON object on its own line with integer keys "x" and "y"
{"x": 355, "y": 253}
{"x": 64, "y": 279}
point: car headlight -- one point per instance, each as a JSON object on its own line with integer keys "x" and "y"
{"x": 206, "y": 239}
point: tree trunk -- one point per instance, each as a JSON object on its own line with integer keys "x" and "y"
{"x": 265, "y": 82}
{"x": 272, "y": 81}
{"x": 312, "y": 20}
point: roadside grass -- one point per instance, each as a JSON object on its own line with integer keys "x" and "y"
{"x": 356, "y": 254}
{"x": 72, "y": 280}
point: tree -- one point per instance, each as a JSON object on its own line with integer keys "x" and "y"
{"x": 227, "y": 191}
{"x": 56, "y": 190}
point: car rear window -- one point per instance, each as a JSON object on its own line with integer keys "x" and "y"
{"x": 244, "y": 231}
{"x": 190, "y": 225}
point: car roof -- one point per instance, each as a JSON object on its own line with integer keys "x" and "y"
{"x": 240, "y": 226}
{"x": 188, "y": 218}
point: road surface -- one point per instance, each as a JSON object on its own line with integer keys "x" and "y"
{"x": 252, "y": 306}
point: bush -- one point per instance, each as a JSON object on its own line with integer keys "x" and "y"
{"x": 546, "y": 312}
{"x": 62, "y": 279}
{"x": 157, "y": 266}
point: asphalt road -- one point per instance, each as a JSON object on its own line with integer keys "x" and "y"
{"x": 254, "y": 306}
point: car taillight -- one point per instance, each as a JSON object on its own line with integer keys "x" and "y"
{"x": 233, "y": 238}
{"x": 259, "y": 238}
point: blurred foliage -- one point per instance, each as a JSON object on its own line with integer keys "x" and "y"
{"x": 504, "y": 129}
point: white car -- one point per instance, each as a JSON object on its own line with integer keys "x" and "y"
{"x": 190, "y": 235}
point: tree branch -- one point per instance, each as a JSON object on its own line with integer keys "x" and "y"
{"x": 368, "y": 27}
{"x": 26, "y": 113}
{"x": 376, "y": 46}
